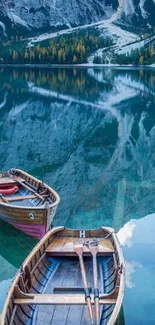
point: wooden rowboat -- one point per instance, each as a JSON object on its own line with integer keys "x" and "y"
{"x": 31, "y": 206}
{"x": 57, "y": 282}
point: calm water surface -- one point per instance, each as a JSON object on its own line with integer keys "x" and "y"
{"x": 90, "y": 134}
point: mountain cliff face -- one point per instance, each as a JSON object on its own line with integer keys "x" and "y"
{"x": 48, "y": 14}
{"x": 139, "y": 12}
{"x": 31, "y": 16}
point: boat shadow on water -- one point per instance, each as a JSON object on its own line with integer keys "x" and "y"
{"x": 14, "y": 245}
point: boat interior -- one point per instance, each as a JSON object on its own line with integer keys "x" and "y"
{"x": 65, "y": 280}
{"x": 21, "y": 191}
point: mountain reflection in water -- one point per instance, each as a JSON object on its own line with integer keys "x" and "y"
{"x": 90, "y": 134}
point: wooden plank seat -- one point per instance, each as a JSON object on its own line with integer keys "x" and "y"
{"x": 23, "y": 197}
{"x": 10, "y": 181}
{"x": 64, "y": 246}
{"x": 57, "y": 299}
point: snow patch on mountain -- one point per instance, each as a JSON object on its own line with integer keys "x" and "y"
{"x": 17, "y": 20}
{"x": 3, "y": 103}
{"x": 3, "y": 28}
{"x": 128, "y": 7}
{"x": 143, "y": 11}
{"x": 121, "y": 37}
{"x": 133, "y": 47}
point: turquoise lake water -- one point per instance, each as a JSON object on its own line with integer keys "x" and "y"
{"x": 90, "y": 134}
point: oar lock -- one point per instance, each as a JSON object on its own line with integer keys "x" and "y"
{"x": 91, "y": 242}
{"x": 120, "y": 269}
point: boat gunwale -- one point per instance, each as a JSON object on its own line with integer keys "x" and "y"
{"x": 118, "y": 305}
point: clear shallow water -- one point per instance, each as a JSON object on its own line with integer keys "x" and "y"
{"x": 90, "y": 134}
{"x": 138, "y": 240}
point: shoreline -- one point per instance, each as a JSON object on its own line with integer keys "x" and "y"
{"x": 84, "y": 65}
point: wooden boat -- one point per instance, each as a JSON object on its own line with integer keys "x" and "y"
{"x": 31, "y": 206}
{"x": 63, "y": 282}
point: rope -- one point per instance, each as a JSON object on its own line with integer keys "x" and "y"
{"x": 95, "y": 241}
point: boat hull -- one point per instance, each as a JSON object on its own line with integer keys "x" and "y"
{"x": 36, "y": 231}
{"x": 33, "y": 222}
{"x": 30, "y": 210}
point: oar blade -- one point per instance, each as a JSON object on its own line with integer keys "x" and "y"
{"x": 78, "y": 247}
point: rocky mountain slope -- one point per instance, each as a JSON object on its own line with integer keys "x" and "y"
{"x": 54, "y": 14}
{"x": 48, "y": 15}
{"x": 139, "y": 12}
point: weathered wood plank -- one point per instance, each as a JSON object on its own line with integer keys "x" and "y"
{"x": 50, "y": 299}
{"x": 45, "y": 313}
{"x": 76, "y": 312}
{"x": 85, "y": 320}
{"x": 23, "y": 197}
{"x": 21, "y": 215}
{"x": 75, "y": 315}
{"x": 61, "y": 312}
{"x": 10, "y": 181}
{"x": 66, "y": 246}
{"x": 57, "y": 244}
{"x": 85, "y": 317}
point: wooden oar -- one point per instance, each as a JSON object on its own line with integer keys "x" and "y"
{"x": 3, "y": 198}
{"x": 79, "y": 251}
{"x": 29, "y": 189}
{"x": 94, "y": 249}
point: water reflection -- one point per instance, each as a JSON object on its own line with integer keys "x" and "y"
{"x": 121, "y": 319}
{"x": 137, "y": 238}
{"x": 14, "y": 247}
{"x": 90, "y": 134}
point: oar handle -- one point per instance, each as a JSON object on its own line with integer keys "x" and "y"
{"x": 97, "y": 306}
